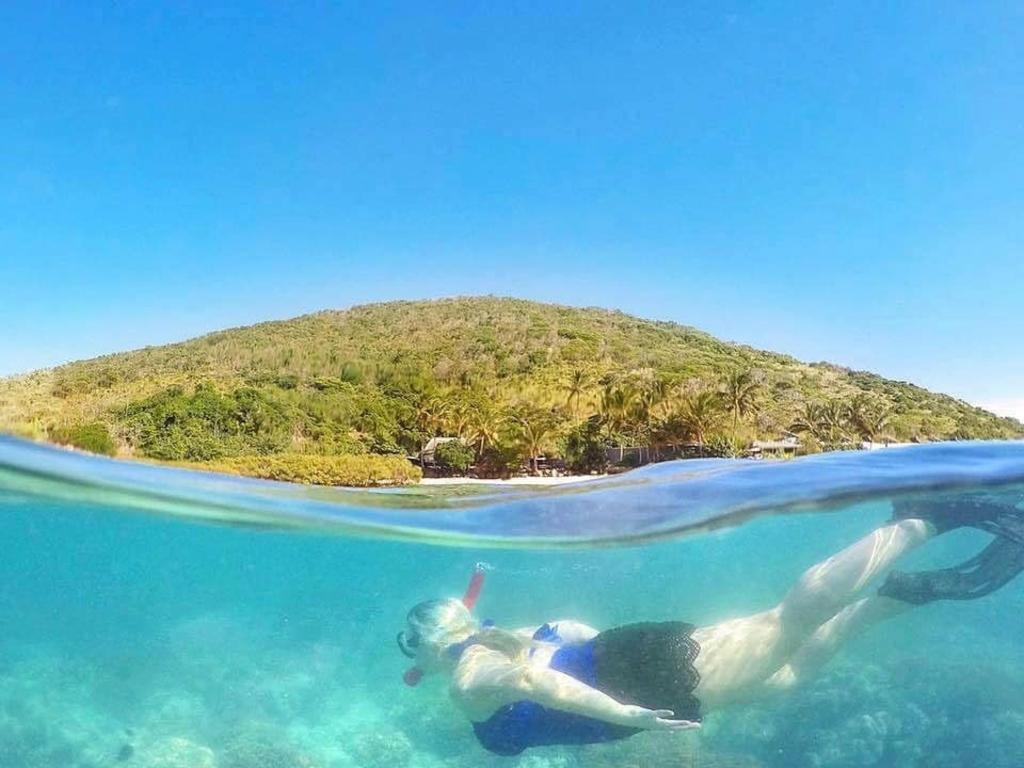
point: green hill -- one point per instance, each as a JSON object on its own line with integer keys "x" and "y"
{"x": 512, "y": 377}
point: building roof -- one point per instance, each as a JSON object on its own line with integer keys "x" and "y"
{"x": 785, "y": 443}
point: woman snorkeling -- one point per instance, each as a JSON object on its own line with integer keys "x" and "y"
{"x": 567, "y": 683}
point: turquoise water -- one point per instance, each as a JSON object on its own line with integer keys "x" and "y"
{"x": 138, "y": 639}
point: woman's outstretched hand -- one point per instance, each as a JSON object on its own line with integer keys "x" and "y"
{"x": 657, "y": 719}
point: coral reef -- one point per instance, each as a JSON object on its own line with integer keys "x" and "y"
{"x": 385, "y": 747}
{"x": 660, "y": 750}
{"x": 912, "y": 714}
{"x": 262, "y": 749}
{"x": 48, "y": 717}
{"x": 273, "y": 703}
{"x": 173, "y": 752}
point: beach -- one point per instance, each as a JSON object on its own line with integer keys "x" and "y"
{"x": 528, "y": 481}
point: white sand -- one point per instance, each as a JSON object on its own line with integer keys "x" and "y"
{"x": 511, "y": 481}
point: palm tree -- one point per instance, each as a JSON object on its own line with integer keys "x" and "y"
{"x": 534, "y": 425}
{"x": 828, "y": 423}
{"x": 876, "y": 426}
{"x": 429, "y": 413}
{"x": 809, "y": 421}
{"x": 836, "y": 421}
{"x": 869, "y": 418}
{"x": 670, "y": 431}
{"x": 637, "y": 423}
{"x": 485, "y": 424}
{"x": 741, "y": 390}
{"x": 651, "y": 392}
{"x": 616, "y": 405}
{"x": 575, "y": 388}
{"x": 701, "y": 412}
{"x": 458, "y": 416}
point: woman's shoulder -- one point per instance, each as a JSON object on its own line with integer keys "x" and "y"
{"x": 482, "y": 682}
{"x": 482, "y": 676}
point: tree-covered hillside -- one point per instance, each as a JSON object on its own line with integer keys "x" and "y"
{"x": 513, "y": 378}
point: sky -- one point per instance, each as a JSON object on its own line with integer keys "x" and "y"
{"x": 837, "y": 181}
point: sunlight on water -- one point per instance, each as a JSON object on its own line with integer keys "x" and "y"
{"x": 145, "y": 640}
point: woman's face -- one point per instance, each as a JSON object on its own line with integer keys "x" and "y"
{"x": 429, "y": 657}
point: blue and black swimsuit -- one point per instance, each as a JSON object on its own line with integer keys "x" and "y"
{"x": 650, "y": 665}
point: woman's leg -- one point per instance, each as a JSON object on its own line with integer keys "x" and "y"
{"x": 995, "y": 566}
{"x": 831, "y": 636}
{"x": 827, "y": 587}
{"x": 739, "y": 655}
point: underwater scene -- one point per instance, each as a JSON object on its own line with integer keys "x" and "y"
{"x": 167, "y": 619}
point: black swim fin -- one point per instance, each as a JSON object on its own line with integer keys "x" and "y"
{"x": 995, "y": 517}
{"x": 993, "y": 567}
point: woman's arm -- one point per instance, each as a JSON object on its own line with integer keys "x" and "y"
{"x": 486, "y": 680}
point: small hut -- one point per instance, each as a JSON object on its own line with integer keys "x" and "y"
{"x": 427, "y": 454}
{"x": 788, "y": 444}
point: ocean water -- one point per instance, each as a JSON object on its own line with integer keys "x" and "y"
{"x": 169, "y": 620}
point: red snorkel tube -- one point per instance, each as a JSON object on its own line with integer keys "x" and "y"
{"x": 476, "y": 584}
{"x": 413, "y": 675}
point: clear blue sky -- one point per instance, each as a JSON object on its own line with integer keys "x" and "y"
{"x": 839, "y": 181}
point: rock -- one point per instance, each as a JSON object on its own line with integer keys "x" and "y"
{"x": 387, "y": 748}
{"x": 174, "y": 752}
{"x": 263, "y": 749}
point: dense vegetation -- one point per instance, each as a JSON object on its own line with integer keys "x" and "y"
{"x": 514, "y": 379}
{"x": 358, "y": 471}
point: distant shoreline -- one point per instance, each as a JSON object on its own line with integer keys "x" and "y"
{"x": 563, "y": 480}
{"x": 570, "y": 479}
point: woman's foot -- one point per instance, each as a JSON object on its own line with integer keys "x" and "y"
{"x": 993, "y": 567}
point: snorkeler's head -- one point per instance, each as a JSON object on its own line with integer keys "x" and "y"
{"x": 431, "y": 628}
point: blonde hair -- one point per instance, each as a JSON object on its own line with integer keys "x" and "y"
{"x": 508, "y": 643}
{"x": 440, "y": 624}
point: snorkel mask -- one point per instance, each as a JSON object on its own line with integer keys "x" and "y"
{"x": 409, "y": 642}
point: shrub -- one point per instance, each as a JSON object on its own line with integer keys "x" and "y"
{"x": 93, "y": 437}
{"x": 352, "y": 373}
{"x": 176, "y": 426}
{"x": 31, "y": 430}
{"x": 382, "y": 444}
{"x": 454, "y": 457}
{"x": 629, "y": 461}
{"x": 722, "y": 447}
{"x": 499, "y": 462}
{"x": 358, "y": 471}
{"x": 584, "y": 448}
{"x": 809, "y": 445}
